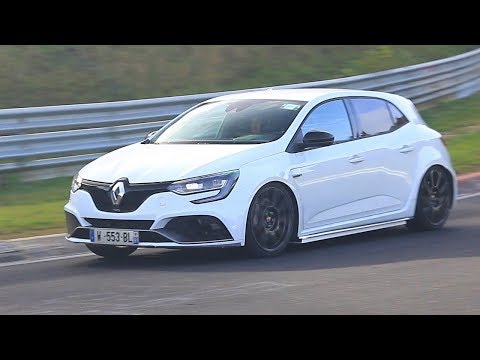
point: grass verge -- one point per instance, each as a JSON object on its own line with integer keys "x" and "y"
{"x": 456, "y": 116}
{"x": 465, "y": 152}
{"x": 33, "y": 208}
{"x": 459, "y": 122}
{"x": 30, "y": 220}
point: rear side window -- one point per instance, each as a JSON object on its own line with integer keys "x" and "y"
{"x": 373, "y": 116}
{"x": 398, "y": 118}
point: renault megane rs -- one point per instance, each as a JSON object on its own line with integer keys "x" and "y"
{"x": 263, "y": 169}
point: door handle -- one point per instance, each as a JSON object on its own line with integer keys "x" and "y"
{"x": 406, "y": 149}
{"x": 356, "y": 159}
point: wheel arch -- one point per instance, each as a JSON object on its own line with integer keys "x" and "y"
{"x": 432, "y": 154}
{"x": 291, "y": 191}
{"x": 421, "y": 221}
{"x": 418, "y": 181}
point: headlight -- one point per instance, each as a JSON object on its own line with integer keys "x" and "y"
{"x": 76, "y": 183}
{"x": 222, "y": 181}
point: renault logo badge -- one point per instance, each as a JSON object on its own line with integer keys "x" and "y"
{"x": 117, "y": 192}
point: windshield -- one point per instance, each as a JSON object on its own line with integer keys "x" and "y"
{"x": 251, "y": 121}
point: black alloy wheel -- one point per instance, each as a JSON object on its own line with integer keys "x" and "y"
{"x": 434, "y": 200}
{"x": 271, "y": 222}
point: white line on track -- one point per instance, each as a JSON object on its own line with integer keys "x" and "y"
{"x": 65, "y": 257}
{"x": 467, "y": 196}
{"x": 37, "y": 237}
{"x": 53, "y": 258}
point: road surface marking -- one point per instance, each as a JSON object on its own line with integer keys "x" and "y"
{"x": 53, "y": 258}
{"x": 467, "y": 196}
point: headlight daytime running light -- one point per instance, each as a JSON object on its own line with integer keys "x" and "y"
{"x": 76, "y": 183}
{"x": 224, "y": 182}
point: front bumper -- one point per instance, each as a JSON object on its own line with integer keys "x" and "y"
{"x": 156, "y": 240}
{"x": 202, "y": 231}
{"x": 164, "y": 220}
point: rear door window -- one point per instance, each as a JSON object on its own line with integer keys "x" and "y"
{"x": 373, "y": 116}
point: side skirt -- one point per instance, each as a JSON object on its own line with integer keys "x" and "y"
{"x": 352, "y": 230}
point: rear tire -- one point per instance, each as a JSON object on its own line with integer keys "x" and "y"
{"x": 271, "y": 222}
{"x": 434, "y": 200}
{"x": 111, "y": 252}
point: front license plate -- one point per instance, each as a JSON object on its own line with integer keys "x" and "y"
{"x": 114, "y": 237}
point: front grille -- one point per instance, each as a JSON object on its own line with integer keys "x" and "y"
{"x": 120, "y": 224}
{"x": 135, "y": 194}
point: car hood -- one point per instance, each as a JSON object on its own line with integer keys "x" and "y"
{"x": 144, "y": 163}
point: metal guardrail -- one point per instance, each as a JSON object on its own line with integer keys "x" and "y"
{"x": 51, "y": 138}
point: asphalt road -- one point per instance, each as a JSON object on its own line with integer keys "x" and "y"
{"x": 390, "y": 271}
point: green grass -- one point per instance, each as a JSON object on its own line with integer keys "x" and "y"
{"x": 32, "y": 208}
{"x": 15, "y": 192}
{"x": 46, "y": 217}
{"x": 39, "y": 75}
{"x": 465, "y": 152}
{"x": 460, "y": 121}
{"x": 452, "y": 116}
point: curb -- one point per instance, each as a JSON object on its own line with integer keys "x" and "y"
{"x": 6, "y": 249}
{"x": 470, "y": 176}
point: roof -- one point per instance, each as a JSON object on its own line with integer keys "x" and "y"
{"x": 298, "y": 94}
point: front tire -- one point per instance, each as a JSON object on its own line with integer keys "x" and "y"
{"x": 434, "y": 200}
{"x": 111, "y": 252}
{"x": 271, "y": 222}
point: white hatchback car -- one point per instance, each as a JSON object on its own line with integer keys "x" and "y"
{"x": 263, "y": 169}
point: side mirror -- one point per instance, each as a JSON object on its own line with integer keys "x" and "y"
{"x": 316, "y": 139}
{"x": 147, "y": 137}
{"x": 151, "y": 133}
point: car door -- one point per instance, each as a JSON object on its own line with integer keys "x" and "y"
{"x": 389, "y": 156}
{"x": 332, "y": 181}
